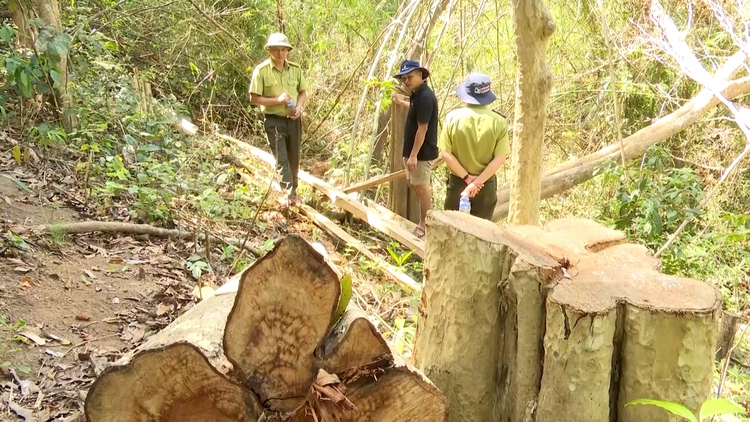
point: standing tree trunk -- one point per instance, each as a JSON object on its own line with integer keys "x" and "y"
{"x": 533, "y": 27}
{"x": 565, "y": 323}
{"x": 49, "y": 12}
{"x": 18, "y": 11}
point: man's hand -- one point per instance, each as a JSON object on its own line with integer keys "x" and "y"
{"x": 472, "y": 180}
{"x": 472, "y": 190}
{"x": 283, "y": 98}
{"x": 411, "y": 163}
{"x": 297, "y": 113}
{"x": 399, "y": 99}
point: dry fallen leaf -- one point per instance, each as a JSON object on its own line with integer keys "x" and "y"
{"x": 138, "y": 335}
{"x": 90, "y": 274}
{"x": 26, "y": 282}
{"x": 26, "y": 414}
{"x": 162, "y": 309}
{"x": 141, "y": 273}
{"x": 116, "y": 300}
{"x": 33, "y": 337}
{"x": 83, "y": 317}
{"x": 115, "y": 261}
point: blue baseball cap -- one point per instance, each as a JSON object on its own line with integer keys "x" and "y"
{"x": 476, "y": 89}
{"x": 408, "y": 66}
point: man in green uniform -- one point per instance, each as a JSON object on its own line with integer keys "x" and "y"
{"x": 474, "y": 144}
{"x": 278, "y": 87}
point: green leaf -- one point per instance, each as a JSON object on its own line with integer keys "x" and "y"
{"x": 16, "y": 151}
{"x": 719, "y": 406}
{"x": 57, "y": 78}
{"x": 18, "y": 241}
{"x": 669, "y": 406}
{"x": 346, "y": 296}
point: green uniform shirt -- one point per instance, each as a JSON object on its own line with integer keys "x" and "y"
{"x": 474, "y": 135}
{"x": 267, "y": 81}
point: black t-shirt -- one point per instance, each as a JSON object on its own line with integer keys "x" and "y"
{"x": 423, "y": 108}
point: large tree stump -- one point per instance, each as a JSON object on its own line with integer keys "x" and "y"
{"x": 565, "y": 323}
{"x": 281, "y": 354}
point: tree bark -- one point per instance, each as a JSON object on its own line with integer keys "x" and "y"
{"x": 49, "y": 12}
{"x": 18, "y": 12}
{"x": 566, "y": 323}
{"x": 578, "y": 171}
{"x": 533, "y": 25}
{"x": 729, "y": 321}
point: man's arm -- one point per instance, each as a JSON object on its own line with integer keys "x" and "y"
{"x": 301, "y": 98}
{"x": 452, "y": 162}
{"x": 490, "y": 170}
{"x": 418, "y": 139}
{"x": 265, "y": 101}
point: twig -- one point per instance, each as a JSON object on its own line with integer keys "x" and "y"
{"x": 130, "y": 228}
{"x": 725, "y": 367}
{"x": 83, "y": 343}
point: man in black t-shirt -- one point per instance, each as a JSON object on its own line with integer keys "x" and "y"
{"x": 420, "y": 134}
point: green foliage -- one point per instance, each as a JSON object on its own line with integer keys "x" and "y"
{"x": 709, "y": 408}
{"x": 28, "y": 73}
{"x": 8, "y": 338}
{"x": 653, "y": 200}
{"x": 346, "y": 296}
{"x": 197, "y": 266}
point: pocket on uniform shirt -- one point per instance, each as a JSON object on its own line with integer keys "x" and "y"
{"x": 272, "y": 90}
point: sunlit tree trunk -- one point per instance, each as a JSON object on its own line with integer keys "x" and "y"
{"x": 533, "y": 28}
{"x": 18, "y": 11}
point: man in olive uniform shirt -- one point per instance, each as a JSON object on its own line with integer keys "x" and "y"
{"x": 474, "y": 144}
{"x": 278, "y": 87}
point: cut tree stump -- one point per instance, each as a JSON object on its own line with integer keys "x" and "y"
{"x": 279, "y": 349}
{"x": 565, "y": 323}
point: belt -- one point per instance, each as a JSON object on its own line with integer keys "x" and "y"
{"x": 274, "y": 116}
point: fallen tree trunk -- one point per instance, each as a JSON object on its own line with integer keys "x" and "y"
{"x": 175, "y": 375}
{"x": 131, "y": 228}
{"x": 565, "y": 323}
{"x": 578, "y": 171}
{"x": 286, "y": 349}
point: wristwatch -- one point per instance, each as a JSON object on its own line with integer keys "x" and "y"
{"x": 466, "y": 177}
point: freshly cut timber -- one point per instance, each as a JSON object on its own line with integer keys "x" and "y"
{"x": 282, "y": 348}
{"x": 287, "y": 345}
{"x": 565, "y": 323}
{"x": 175, "y": 375}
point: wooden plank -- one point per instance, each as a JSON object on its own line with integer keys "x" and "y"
{"x": 374, "y": 181}
{"x": 335, "y": 231}
{"x": 384, "y": 212}
{"x": 383, "y": 178}
{"x": 342, "y": 200}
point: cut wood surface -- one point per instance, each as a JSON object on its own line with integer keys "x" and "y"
{"x": 577, "y": 321}
{"x": 342, "y": 200}
{"x": 285, "y": 352}
{"x": 283, "y": 324}
{"x": 175, "y": 375}
{"x": 575, "y": 172}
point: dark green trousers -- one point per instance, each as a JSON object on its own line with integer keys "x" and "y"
{"x": 284, "y": 138}
{"x": 482, "y": 204}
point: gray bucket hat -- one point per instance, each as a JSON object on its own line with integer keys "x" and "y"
{"x": 277, "y": 39}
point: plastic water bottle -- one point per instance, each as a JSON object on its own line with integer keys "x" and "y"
{"x": 464, "y": 205}
{"x": 290, "y": 106}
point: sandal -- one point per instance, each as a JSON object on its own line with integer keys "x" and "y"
{"x": 418, "y": 232}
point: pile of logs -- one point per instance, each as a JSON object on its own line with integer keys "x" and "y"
{"x": 276, "y": 350}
